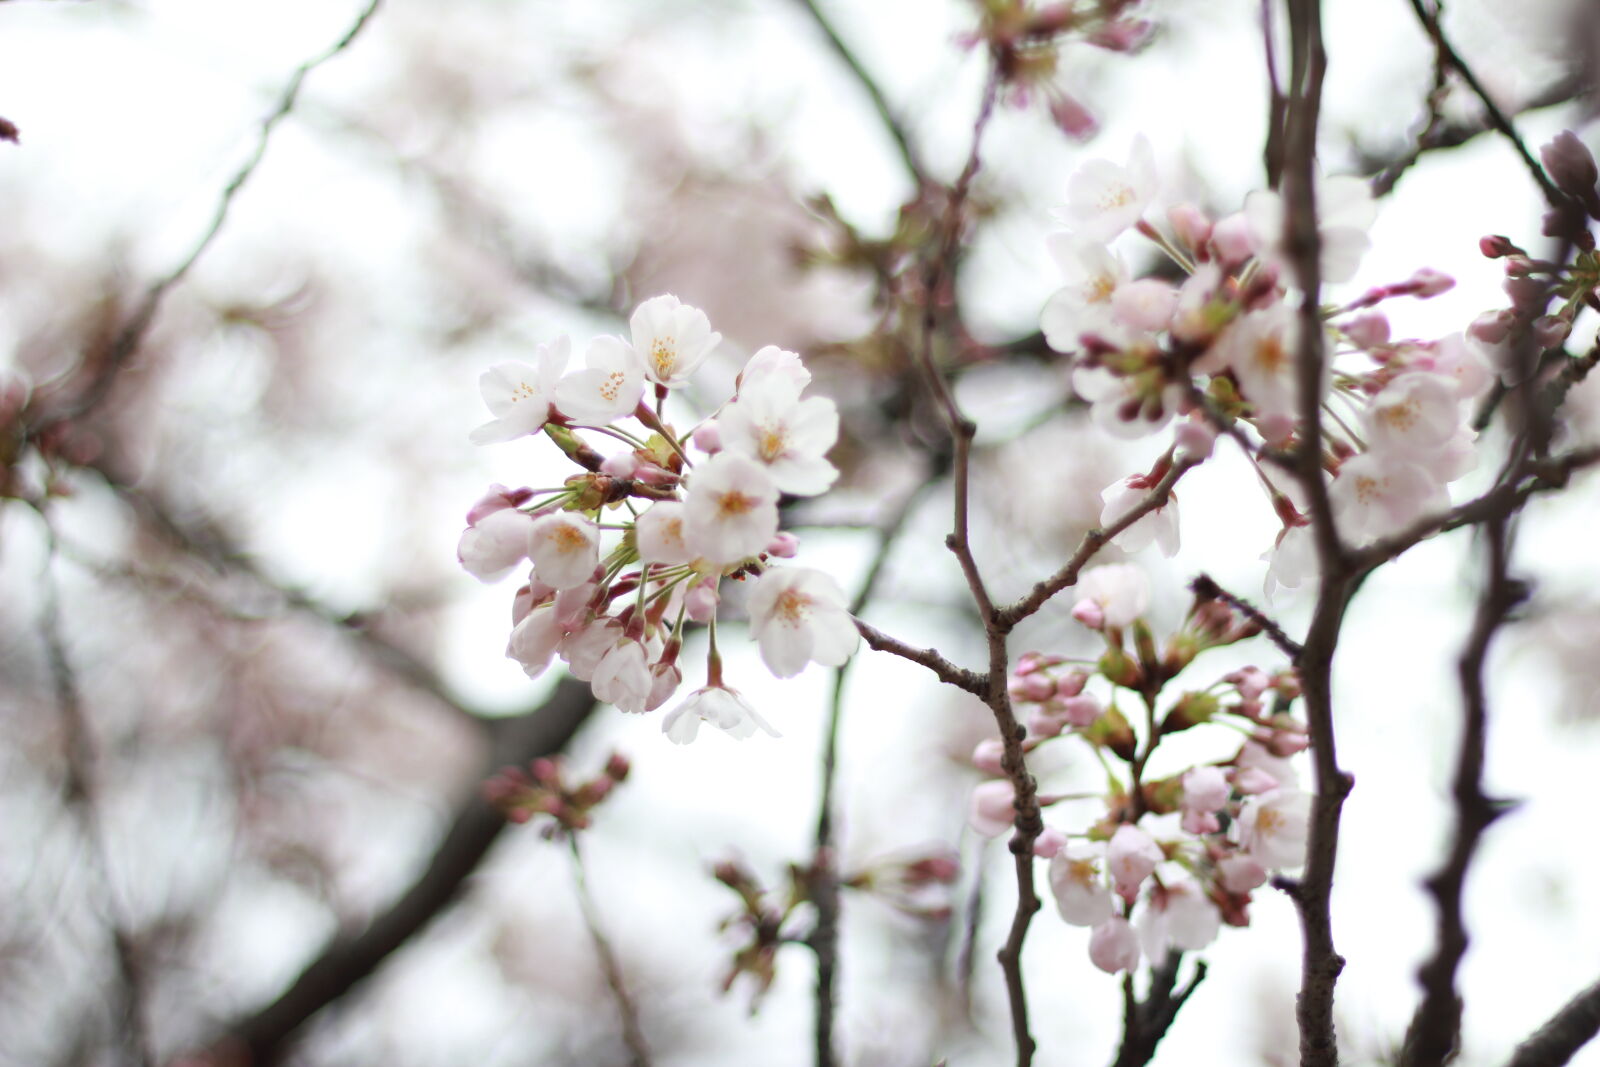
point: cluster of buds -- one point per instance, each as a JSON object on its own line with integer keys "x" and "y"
{"x": 1166, "y": 862}
{"x": 634, "y": 547}
{"x": 917, "y": 885}
{"x": 1220, "y": 350}
{"x": 542, "y": 789}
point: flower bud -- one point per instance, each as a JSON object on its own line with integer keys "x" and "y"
{"x": 1071, "y": 683}
{"x": 1191, "y": 225}
{"x": 1492, "y": 327}
{"x": 708, "y": 437}
{"x": 986, "y": 757}
{"x": 784, "y": 545}
{"x": 621, "y": 465}
{"x": 1049, "y": 843}
{"x": 1494, "y": 246}
{"x": 1072, "y": 118}
{"x": 1571, "y": 167}
{"x": 1429, "y": 282}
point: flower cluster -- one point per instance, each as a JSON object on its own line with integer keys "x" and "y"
{"x": 1166, "y": 861}
{"x": 542, "y": 789}
{"x": 630, "y": 550}
{"x": 1221, "y": 349}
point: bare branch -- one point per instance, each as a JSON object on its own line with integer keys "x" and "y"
{"x": 947, "y": 672}
{"x": 1205, "y": 586}
{"x": 632, "y": 1035}
{"x": 1568, "y": 1030}
{"x": 1146, "y": 1022}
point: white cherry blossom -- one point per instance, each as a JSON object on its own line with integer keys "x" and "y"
{"x": 797, "y": 616}
{"x": 534, "y": 640}
{"x": 623, "y": 678}
{"x": 1113, "y": 946}
{"x": 659, "y": 534}
{"x": 1132, "y": 857}
{"x": 519, "y": 395}
{"x": 1273, "y": 827}
{"x": 1179, "y": 917}
{"x": 1103, "y": 198}
{"x": 1378, "y": 494}
{"x": 671, "y": 338}
{"x": 1159, "y": 525}
{"x": 1120, "y": 590}
{"x": 1083, "y": 305}
{"x": 1345, "y": 210}
{"x": 724, "y": 708}
{"x": 1414, "y": 415}
{"x": 731, "y": 512}
{"x": 492, "y": 547}
{"x": 1078, "y": 882}
{"x": 774, "y": 365}
{"x": 790, "y": 436}
{"x": 608, "y": 387}
{"x": 565, "y": 548}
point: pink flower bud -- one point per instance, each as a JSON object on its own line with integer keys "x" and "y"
{"x": 498, "y": 498}
{"x": 1081, "y": 711}
{"x": 1492, "y": 327}
{"x": 1192, "y": 225}
{"x": 1200, "y": 822}
{"x": 1368, "y": 331}
{"x": 708, "y": 437}
{"x": 1550, "y": 330}
{"x": 1124, "y": 35}
{"x": 1071, "y": 683}
{"x": 1194, "y": 437}
{"x": 1144, "y": 304}
{"x": 1430, "y": 282}
{"x": 783, "y": 545}
{"x": 1048, "y": 843}
{"x": 621, "y": 465}
{"x": 1240, "y": 874}
{"x": 700, "y": 603}
{"x": 1205, "y": 789}
{"x": 986, "y": 757}
{"x": 1494, "y": 246}
{"x": 1034, "y": 688}
{"x": 1114, "y": 946}
{"x": 993, "y": 808}
{"x": 1232, "y": 240}
{"x": 1251, "y": 780}
{"x": 1043, "y": 723}
{"x": 1250, "y": 681}
{"x": 1089, "y": 613}
{"x": 1571, "y": 166}
{"x": 1073, "y": 119}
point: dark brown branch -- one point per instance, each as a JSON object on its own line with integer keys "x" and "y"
{"x": 128, "y": 340}
{"x": 1320, "y": 964}
{"x": 947, "y": 672}
{"x": 880, "y": 103}
{"x": 1205, "y": 586}
{"x": 264, "y": 1036}
{"x": 1497, "y": 119}
{"x": 1145, "y": 1022}
{"x": 1435, "y": 1030}
{"x": 1568, "y": 1030}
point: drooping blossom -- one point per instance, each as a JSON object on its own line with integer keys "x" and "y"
{"x": 1114, "y": 946}
{"x": 799, "y": 615}
{"x": 564, "y": 547}
{"x": 1078, "y": 882}
{"x": 724, "y": 708}
{"x": 492, "y": 547}
{"x": 1274, "y": 827}
{"x": 1159, "y": 525}
{"x": 1177, "y": 917}
{"x": 519, "y": 395}
{"x": 1132, "y": 856}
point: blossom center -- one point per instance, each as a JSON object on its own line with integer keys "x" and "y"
{"x": 612, "y": 385}
{"x": 734, "y": 503}
{"x": 569, "y": 539}
{"x": 664, "y": 354}
{"x": 772, "y": 443}
{"x": 792, "y": 607}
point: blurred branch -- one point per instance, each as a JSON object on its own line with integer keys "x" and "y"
{"x": 1145, "y": 1022}
{"x": 1206, "y": 587}
{"x": 880, "y": 103}
{"x": 206, "y": 541}
{"x": 82, "y": 799}
{"x": 1438, "y": 133}
{"x": 125, "y": 345}
{"x": 1568, "y": 1030}
{"x": 1429, "y": 14}
{"x": 264, "y": 1036}
{"x": 632, "y": 1035}
{"x": 824, "y": 873}
{"x": 1435, "y": 1030}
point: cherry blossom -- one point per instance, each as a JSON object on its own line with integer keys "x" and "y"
{"x": 1159, "y": 525}
{"x": 1103, "y": 198}
{"x": 671, "y": 338}
{"x": 731, "y": 512}
{"x": 1083, "y": 305}
{"x": 773, "y": 365}
{"x": 565, "y": 549}
{"x": 1273, "y": 827}
{"x": 1132, "y": 857}
{"x": 724, "y": 708}
{"x": 659, "y": 534}
{"x": 1345, "y": 210}
{"x": 790, "y": 436}
{"x": 1079, "y": 885}
{"x": 493, "y": 546}
{"x": 519, "y": 395}
{"x": 1114, "y": 946}
{"x": 798, "y": 615}
{"x": 1120, "y": 591}
{"x": 608, "y": 387}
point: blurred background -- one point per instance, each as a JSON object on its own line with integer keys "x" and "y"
{"x": 247, "y": 696}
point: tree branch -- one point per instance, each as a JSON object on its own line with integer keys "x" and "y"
{"x": 263, "y": 1037}
{"x": 1146, "y": 1022}
{"x": 1568, "y": 1030}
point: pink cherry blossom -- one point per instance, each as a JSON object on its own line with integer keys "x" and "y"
{"x": 1159, "y": 525}
{"x": 1119, "y": 590}
{"x": 1113, "y": 946}
{"x": 992, "y": 808}
{"x": 608, "y": 387}
{"x": 731, "y": 512}
{"x": 790, "y": 436}
{"x": 1132, "y": 856}
{"x": 671, "y": 338}
{"x": 659, "y": 534}
{"x": 1273, "y": 827}
{"x": 1078, "y": 882}
{"x": 493, "y": 546}
{"x": 724, "y": 708}
{"x": 774, "y": 365}
{"x": 565, "y": 549}
{"x": 1103, "y": 198}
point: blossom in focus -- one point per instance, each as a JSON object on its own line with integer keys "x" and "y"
{"x": 788, "y": 435}
{"x": 565, "y": 549}
{"x": 1273, "y": 827}
{"x": 799, "y": 615}
{"x": 1083, "y": 304}
{"x": 1082, "y": 894}
{"x": 774, "y": 365}
{"x": 731, "y": 512}
{"x": 724, "y": 708}
{"x": 671, "y": 338}
{"x": 659, "y": 534}
{"x": 519, "y": 395}
{"x": 608, "y": 387}
{"x": 1132, "y": 857}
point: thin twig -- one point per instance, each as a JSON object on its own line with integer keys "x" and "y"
{"x": 632, "y": 1035}
{"x": 880, "y": 103}
{"x": 947, "y": 672}
{"x": 1435, "y": 1030}
{"x": 1430, "y": 19}
{"x": 1205, "y": 586}
{"x": 128, "y": 340}
{"x": 83, "y": 799}
{"x": 1146, "y": 1022}
{"x": 1568, "y": 1030}
{"x": 824, "y": 876}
